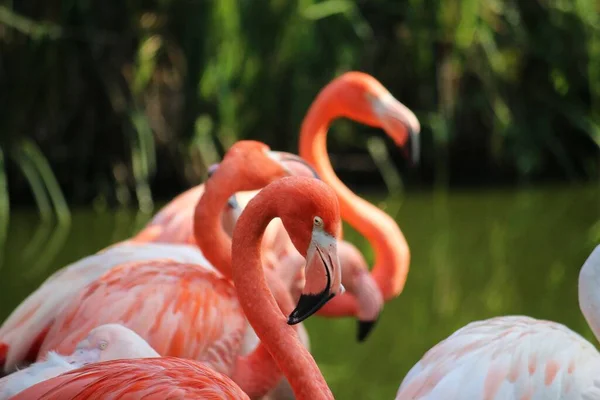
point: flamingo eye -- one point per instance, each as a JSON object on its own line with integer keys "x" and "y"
{"x": 103, "y": 345}
{"x": 318, "y": 221}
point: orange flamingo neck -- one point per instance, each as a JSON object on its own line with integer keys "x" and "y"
{"x": 257, "y": 372}
{"x": 392, "y": 255}
{"x": 209, "y": 233}
{"x": 269, "y": 323}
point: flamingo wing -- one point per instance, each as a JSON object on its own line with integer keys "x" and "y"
{"x": 24, "y": 330}
{"x": 150, "y": 379}
{"x": 181, "y": 310}
{"x": 505, "y": 358}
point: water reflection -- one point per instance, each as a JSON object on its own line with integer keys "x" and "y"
{"x": 474, "y": 256}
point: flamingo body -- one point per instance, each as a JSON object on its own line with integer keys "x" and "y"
{"x": 513, "y": 357}
{"x": 181, "y": 310}
{"x": 150, "y": 379}
{"x": 174, "y": 223}
{"x": 22, "y": 332}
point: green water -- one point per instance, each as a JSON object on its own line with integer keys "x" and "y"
{"x": 474, "y": 255}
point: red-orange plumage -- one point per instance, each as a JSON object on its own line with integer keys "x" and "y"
{"x": 182, "y": 310}
{"x": 149, "y": 379}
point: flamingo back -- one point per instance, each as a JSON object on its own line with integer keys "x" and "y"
{"x": 149, "y": 378}
{"x": 174, "y": 222}
{"x": 512, "y": 357}
{"x": 181, "y": 310}
{"x": 29, "y": 322}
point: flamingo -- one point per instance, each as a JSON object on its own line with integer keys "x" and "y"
{"x": 24, "y": 330}
{"x": 355, "y": 273}
{"x": 515, "y": 357}
{"x": 360, "y": 97}
{"x": 309, "y": 211}
{"x": 105, "y": 342}
{"x": 186, "y": 310}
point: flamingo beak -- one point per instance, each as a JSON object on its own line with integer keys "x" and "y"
{"x": 370, "y": 303}
{"x": 364, "y": 329}
{"x": 323, "y": 276}
{"x": 400, "y": 123}
{"x": 294, "y": 164}
{"x": 232, "y": 202}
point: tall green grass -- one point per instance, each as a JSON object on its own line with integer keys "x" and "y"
{"x": 101, "y": 99}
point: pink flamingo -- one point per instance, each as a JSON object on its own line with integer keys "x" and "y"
{"x": 355, "y": 272}
{"x": 188, "y": 311}
{"x": 106, "y": 342}
{"x": 515, "y": 357}
{"x": 309, "y": 211}
{"x": 361, "y": 97}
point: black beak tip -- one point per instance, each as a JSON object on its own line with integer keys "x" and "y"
{"x": 308, "y": 304}
{"x": 415, "y": 150}
{"x": 364, "y": 329}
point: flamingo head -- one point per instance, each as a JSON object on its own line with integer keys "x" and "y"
{"x": 253, "y": 165}
{"x": 363, "y": 98}
{"x": 111, "y": 342}
{"x": 309, "y": 211}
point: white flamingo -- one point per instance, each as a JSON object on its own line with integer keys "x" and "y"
{"x": 515, "y": 357}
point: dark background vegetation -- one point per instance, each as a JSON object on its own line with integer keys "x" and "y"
{"x": 123, "y": 102}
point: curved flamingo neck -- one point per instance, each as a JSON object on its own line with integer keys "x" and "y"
{"x": 209, "y": 233}
{"x": 257, "y": 373}
{"x": 259, "y": 306}
{"x": 392, "y": 256}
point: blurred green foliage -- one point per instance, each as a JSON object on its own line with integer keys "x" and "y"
{"x": 115, "y": 95}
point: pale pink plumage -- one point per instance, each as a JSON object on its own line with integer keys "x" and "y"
{"x": 30, "y": 320}
{"x": 514, "y": 357}
{"x": 104, "y": 343}
{"x": 174, "y": 223}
